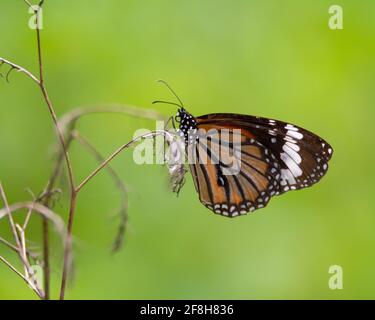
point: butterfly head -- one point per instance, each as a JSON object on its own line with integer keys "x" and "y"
{"x": 187, "y": 123}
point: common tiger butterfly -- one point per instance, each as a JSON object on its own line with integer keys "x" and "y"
{"x": 274, "y": 157}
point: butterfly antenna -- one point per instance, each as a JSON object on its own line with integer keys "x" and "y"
{"x": 166, "y": 102}
{"x": 174, "y": 93}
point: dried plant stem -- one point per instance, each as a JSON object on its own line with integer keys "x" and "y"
{"x": 21, "y": 250}
{"x": 27, "y": 219}
{"x": 79, "y": 188}
{"x": 116, "y": 153}
{"x": 8, "y": 244}
{"x": 20, "y": 69}
{"x": 52, "y": 112}
{"x": 14, "y": 248}
{"x": 39, "y": 209}
{"x": 71, "y": 117}
{"x": 68, "y": 245}
{"x": 28, "y": 3}
{"x": 118, "y": 182}
{"x": 7, "y": 263}
{"x": 43, "y": 203}
{"x": 23, "y": 245}
{"x": 13, "y": 268}
{"x": 11, "y": 221}
{"x": 67, "y": 161}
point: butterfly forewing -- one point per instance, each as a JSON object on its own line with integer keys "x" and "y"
{"x": 302, "y": 156}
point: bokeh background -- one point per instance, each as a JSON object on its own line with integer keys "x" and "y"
{"x": 269, "y": 58}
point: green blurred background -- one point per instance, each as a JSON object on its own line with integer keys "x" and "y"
{"x": 269, "y": 58}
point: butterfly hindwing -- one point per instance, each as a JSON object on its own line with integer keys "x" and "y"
{"x": 227, "y": 192}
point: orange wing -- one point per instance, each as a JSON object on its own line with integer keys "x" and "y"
{"x": 233, "y": 175}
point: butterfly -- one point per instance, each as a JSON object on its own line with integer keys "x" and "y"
{"x": 272, "y": 157}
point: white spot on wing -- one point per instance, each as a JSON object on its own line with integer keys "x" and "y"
{"x": 295, "y": 134}
{"x": 294, "y": 146}
{"x": 287, "y": 177}
{"x": 292, "y": 153}
{"x": 291, "y": 127}
{"x": 293, "y": 167}
{"x": 287, "y": 138}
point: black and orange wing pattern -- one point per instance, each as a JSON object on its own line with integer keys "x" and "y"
{"x": 274, "y": 157}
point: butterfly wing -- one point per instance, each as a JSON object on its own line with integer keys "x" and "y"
{"x": 248, "y": 187}
{"x": 274, "y": 157}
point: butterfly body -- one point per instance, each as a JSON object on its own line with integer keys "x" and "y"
{"x": 274, "y": 157}
{"x": 186, "y": 123}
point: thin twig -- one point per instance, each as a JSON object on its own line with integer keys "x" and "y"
{"x": 116, "y": 153}
{"x": 28, "y": 3}
{"x": 119, "y": 184}
{"x": 8, "y": 212}
{"x": 53, "y": 115}
{"x": 29, "y": 272}
{"x": 39, "y": 209}
{"x": 43, "y": 89}
{"x": 68, "y": 245}
{"x": 28, "y": 282}
{"x": 72, "y": 116}
{"x": 70, "y": 122}
{"x": 14, "y": 269}
{"x": 14, "y": 248}
{"x": 23, "y": 247}
{"x": 74, "y": 199}
{"x": 46, "y": 201}
{"x": 20, "y": 69}
{"x": 65, "y": 156}
{"x": 27, "y": 219}
{"x": 8, "y": 244}
{"x": 67, "y": 161}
